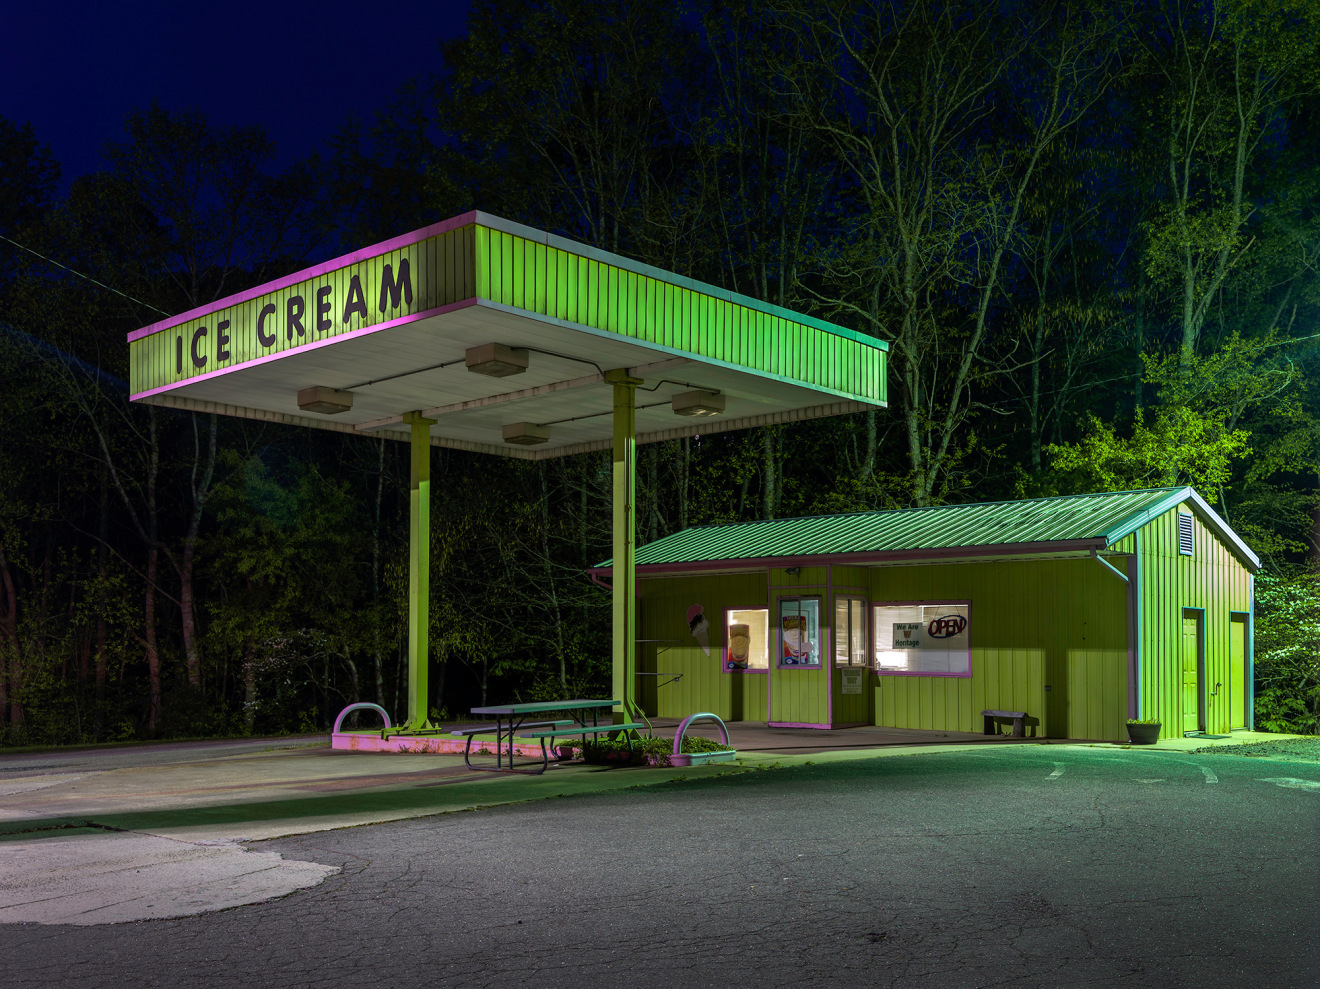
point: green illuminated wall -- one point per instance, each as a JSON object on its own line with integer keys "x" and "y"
{"x": 1212, "y": 579}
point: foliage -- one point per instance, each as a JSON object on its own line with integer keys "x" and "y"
{"x": 1288, "y": 650}
{"x": 645, "y": 749}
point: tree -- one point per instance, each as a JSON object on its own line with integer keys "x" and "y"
{"x": 1231, "y": 70}
{"x": 939, "y": 119}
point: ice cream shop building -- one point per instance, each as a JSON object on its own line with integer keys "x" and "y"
{"x": 1081, "y": 611}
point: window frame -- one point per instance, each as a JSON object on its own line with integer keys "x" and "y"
{"x": 779, "y": 663}
{"x": 866, "y": 632}
{"x": 924, "y": 603}
{"x": 724, "y": 648}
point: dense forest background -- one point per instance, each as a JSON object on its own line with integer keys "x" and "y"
{"x": 1090, "y": 233}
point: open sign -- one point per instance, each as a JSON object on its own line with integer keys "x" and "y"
{"x": 946, "y": 627}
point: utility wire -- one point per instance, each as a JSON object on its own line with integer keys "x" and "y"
{"x": 87, "y": 277}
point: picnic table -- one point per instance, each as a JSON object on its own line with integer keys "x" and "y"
{"x": 512, "y": 718}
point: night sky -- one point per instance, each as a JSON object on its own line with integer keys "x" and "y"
{"x": 300, "y": 70}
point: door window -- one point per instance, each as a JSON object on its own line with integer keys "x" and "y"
{"x": 849, "y": 631}
{"x": 799, "y": 632}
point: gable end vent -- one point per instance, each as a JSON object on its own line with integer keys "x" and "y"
{"x": 1185, "y": 535}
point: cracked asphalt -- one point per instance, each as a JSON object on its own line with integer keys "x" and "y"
{"x": 1017, "y": 866}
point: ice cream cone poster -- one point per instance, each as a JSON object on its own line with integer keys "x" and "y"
{"x": 699, "y": 627}
{"x": 740, "y": 646}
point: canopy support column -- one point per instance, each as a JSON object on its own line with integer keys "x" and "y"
{"x": 624, "y": 591}
{"x": 419, "y": 572}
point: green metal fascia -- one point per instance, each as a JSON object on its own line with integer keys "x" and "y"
{"x": 606, "y": 334}
{"x": 566, "y": 283}
{"x": 691, "y": 284}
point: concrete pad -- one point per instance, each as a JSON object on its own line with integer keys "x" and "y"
{"x": 114, "y": 878}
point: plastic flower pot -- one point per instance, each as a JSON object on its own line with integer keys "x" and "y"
{"x": 1144, "y": 734}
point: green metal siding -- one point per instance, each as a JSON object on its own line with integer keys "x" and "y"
{"x": 704, "y": 686}
{"x": 1019, "y": 644}
{"x": 1213, "y": 579}
{"x": 579, "y": 288}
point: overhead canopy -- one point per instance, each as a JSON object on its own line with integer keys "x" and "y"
{"x": 357, "y": 343}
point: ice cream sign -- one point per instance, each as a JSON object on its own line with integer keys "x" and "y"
{"x": 699, "y": 627}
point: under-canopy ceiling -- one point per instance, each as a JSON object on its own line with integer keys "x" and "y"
{"x": 502, "y": 334}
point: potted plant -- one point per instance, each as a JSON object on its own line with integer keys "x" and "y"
{"x": 1143, "y": 731}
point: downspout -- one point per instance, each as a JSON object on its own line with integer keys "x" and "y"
{"x": 1133, "y": 621}
{"x": 1134, "y": 629}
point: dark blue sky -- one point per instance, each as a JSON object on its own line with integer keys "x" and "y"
{"x": 75, "y": 69}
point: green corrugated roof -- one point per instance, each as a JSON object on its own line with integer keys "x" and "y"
{"x": 1101, "y": 519}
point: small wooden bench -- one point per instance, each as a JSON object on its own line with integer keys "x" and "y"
{"x": 1019, "y": 722}
{"x": 583, "y": 731}
{"x": 497, "y": 731}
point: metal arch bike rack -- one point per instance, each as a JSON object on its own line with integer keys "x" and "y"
{"x": 361, "y": 706}
{"x": 680, "y": 758}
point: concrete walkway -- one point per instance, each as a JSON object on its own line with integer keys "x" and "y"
{"x": 134, "y": 832}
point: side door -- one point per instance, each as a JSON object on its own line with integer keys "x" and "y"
{"x": 1192, "y": 705}
{"x": 850, "y": 685}
{"x": 1237, "y": 671}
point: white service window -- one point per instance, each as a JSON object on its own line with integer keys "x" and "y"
{"x": 919, "y": 638}
{"x": 747, "y": 638}
{"x": 850, "y": 631}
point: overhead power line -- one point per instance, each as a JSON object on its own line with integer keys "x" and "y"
{"x": 89, "y": 278}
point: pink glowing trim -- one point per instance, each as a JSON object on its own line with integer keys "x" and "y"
{"x": 304, "y": 348}
{"x": 753, "y": 563}
{"x": 796, "y": 724}
{"x": 315, "y": 271}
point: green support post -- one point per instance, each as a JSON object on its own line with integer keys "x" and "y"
{"x": 419, "y": 572}
{"x": 625, "y": 580}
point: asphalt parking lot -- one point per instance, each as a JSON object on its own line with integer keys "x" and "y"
{"x": 1023, "y": 866}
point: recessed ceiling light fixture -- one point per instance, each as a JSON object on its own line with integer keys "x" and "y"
{"x": 326, "y": 401}
{"x": 698, "y": 403}
{"x": 496, "y": 360}
{"x": 526, "y": 434}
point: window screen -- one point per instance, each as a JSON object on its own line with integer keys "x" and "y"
{"x": 1185, "y": 535}
{"x": 931, "y": 639}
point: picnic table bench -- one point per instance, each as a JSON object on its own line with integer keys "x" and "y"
{"x": 626, "y": 728}
{"x": 471, "y": 733}
{"x": 512, "y": 718}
